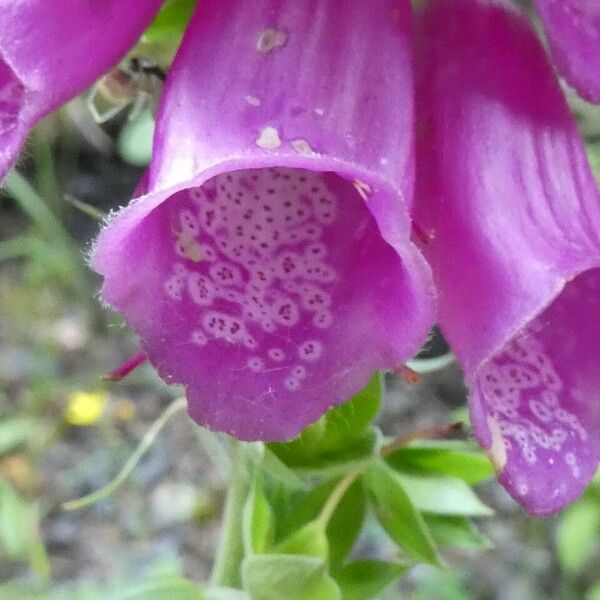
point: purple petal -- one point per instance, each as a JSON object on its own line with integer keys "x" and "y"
{"x": 51, "y": 51}
{"x": 505, "y": 184}
{"x": 573, "y": 30}
{"x": 269, "y": 268}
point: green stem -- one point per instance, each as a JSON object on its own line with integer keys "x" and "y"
{"x": 133, "y": 460}
{"x": 45, "y": 172}
{"x": 230, "y": 553}
{"x": 336, "y": 496}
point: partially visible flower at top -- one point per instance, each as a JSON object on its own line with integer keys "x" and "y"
{"x": 269, "y": 266}
{"x": 504, "y": 182}
{"x": 573, "y": 31}
{"x": 50, "y": 51}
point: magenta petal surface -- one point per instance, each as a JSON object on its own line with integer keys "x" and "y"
{"x": 573, "y": 31}
{"x": 50, "y": 51}
{"x": 269, "y": 267}
{"x": 504, "y": 183}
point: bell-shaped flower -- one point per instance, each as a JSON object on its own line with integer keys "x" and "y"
{"x": 504, "y": 184}
{"x": 268, "y": 268}
{"x": 50, "y": 51}
{"x": 573, "y": 31}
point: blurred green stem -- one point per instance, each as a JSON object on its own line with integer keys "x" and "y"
{"x": 230, "y": 552}
{"x": 51, "y": 229}
{"x": 45, "y": 172}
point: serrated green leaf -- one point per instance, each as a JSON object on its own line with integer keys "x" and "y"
{"x": 173, "y": 588}
{"x": 257, "y": 525}
{"x": 578, "y": 529}
{"x": 451, "y": 531}
{"x": 293, "y": 577}
{"x": 397, "y": 514}
{"x": 443, "y": 495}
{"x": 364, "y": 579}
{"x": 470, "y": 466}
{"x": 309, "y": 540}
{"x": 336, "y": 432}
{"x": 344, "y": 524}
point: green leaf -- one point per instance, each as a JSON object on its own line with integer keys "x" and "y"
{"x": 397, "y": 514}
{"x": 270, "y": 464}
{"x": 170, "y": 22}
{"x": 466, "y": 464}
{"x": 173, "y": 588}
{"x": 459, "y": 532}
{"x": 345, "y": 523}
{"x": 15, "y": 432}
{"x": 257, "y": 526}
{"x": 336, "y": 431}
{"x": 577, "y": 532}
{"x": 135, "y": 140}
{"x": 15, "y": 522}
{"x": 221, "y": 593}
{"x": 593, "y": 593}
{"x": 310, "y": 540}
{"x": 442, "y": 495}
{"x": 364, "y": 579}
{"x": 293, "y": 577}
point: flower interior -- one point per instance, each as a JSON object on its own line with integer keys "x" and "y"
{"x": 276, "y": 288}
{"x": 540, "y": 399}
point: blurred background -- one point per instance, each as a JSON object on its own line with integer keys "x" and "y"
{"x": 65, "y": 432}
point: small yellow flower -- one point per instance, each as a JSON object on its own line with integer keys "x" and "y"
{"x": 85, "y": 408}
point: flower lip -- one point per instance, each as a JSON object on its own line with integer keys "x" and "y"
{"x": 264, "y": 327}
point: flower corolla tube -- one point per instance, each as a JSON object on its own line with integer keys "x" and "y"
{"x": 503, "y": 181}
{"x": 268, "y": 266}
{"x": 51, "y": 51}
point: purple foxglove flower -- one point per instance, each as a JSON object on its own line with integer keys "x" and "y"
{"x": 50, "y": 51}
{"x": 269, "y": 267}
{"x": 573, "y": 30}
{"x": 504, "y": 182}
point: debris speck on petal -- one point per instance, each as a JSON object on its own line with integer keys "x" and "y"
{"x": 269, "y": 39}
{"x": 268, "y": 138}
{"x": 253, "y": 100}
{"x": 302, "y": 147}
{"x": 364, "y": 189}
{"x": 497, "y": 451}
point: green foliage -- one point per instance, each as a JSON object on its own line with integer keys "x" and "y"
{"x": 578, "y": 533}
{"x": 364, "y": 579}
{"x": 398, "y": 515}
{"x": 19, "y": 534}
{"x": 16, "y": 432}
{"x": 173, "y": 588}
{"x": 257, "y": 520}
{"x": 346, "y": 520}
{"x": 289, "y": 576}
{"x": 442, "y": 495}
{"x": 341, "y": 436}
{"x": 451, "y": 531}
{"x": 455, "y": 459}
{"x": 170, "y": 22}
